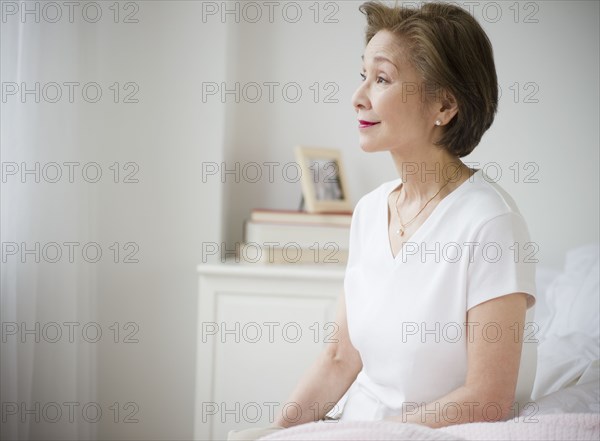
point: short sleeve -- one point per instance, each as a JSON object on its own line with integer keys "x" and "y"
{"x": 502, "y": 261}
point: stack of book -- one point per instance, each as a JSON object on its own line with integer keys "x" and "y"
{"x": 282, "y": 236}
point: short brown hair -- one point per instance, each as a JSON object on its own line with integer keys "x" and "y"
{"x": 452, "y": 53}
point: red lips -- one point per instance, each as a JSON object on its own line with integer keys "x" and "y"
{"x": 364, "y": 124}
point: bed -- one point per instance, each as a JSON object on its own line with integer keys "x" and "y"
{"x": 565, "y": 400}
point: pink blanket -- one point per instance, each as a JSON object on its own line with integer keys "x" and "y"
{"x": 584, "y": 426}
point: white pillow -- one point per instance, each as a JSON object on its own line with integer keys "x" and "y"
{"x": 582, "y": 397}
{"x": 573, "y": 297}
{"x": 568, "y": 317}
{"x": 544, "y": 277}
{"x": 562, "y": 361}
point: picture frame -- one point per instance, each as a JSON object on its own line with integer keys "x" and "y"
{"x": 324, "y": 183}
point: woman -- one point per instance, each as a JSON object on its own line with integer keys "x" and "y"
{"x": 431, "y": 323}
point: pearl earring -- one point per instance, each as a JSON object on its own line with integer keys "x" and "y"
{"x": 438, "y": 122}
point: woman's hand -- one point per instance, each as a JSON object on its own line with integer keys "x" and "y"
{"x": 252, "y": 434}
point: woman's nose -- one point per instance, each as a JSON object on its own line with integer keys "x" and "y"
{"x": 360, "y": 98}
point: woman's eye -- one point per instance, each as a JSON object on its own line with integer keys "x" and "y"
{"x": 380, "y": 80}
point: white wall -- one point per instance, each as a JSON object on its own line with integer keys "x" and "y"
{"x": 553, "y": 61}
{"x": 560, "y": 132}
{"x": 173, "y": 135}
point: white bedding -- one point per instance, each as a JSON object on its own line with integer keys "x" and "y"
{"x": 545, "y": 427}
{"x": 567, "y": 313}
{"x": 582, "y": 397}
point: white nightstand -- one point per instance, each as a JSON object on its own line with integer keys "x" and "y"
{"x": 259, "y": 328}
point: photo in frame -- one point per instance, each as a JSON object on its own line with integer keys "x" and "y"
{"x": 324, "y": 184}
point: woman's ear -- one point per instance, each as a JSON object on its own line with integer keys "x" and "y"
{"x": 449, "y": 106}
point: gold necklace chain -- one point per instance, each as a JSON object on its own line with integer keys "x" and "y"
{"x": 403, "y": 226}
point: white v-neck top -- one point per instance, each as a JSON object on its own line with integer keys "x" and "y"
{"x": 406, "y": 314}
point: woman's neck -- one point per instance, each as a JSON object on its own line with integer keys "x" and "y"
{"x": 424, "y": 175}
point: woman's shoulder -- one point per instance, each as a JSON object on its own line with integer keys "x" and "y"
{"x": 485, "y": 199}
{"x": 374, "y": 197}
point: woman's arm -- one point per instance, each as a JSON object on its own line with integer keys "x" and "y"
{"x": 493, "y": 368}
{"x": 328, "y": 378}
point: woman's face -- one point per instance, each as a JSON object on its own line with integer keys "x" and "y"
{"x": 389, "y": 103}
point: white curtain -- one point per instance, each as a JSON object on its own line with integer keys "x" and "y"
{"x": 43, "y": 365}
{"x": 151, "y": 125}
